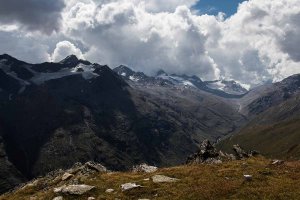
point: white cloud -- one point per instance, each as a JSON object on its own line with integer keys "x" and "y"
{"x": 23, "y": 46}
{"x": 258, "y": 43}
{"x": 64, "y": 49}
{"x": 122, "y": 32}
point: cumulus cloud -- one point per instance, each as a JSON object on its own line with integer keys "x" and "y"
{"x": 41, "y": 15}
{"x": 262, "y": 35}
{"x": 64, "y": 49}
{"x": 22, "y": 46}
{"x": 122, "y": 32}
{"x": 258, "y": 43}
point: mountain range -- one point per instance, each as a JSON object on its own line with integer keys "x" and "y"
{"x": 53, "y": 115}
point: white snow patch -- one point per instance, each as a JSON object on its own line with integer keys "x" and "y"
{"x": 87, "y": 74}
{"x": 88, "y": 71}
{"x": 177, "y": 80}
{"x": 123, "y": 74}
{"x": 135, "y": 79}
{"x": 188, "y": 83}
{"x": 217, "y": 85}
{"x": 246, "y": 86}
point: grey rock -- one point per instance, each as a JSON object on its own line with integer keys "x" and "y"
{"x": 163, "y": 179}
{"x": 129, "y": 186}
{"x": 58, "y": 198}
{"x": 248, "y": 177}
{"x": 74, "y": 189}
{"x": 240, "y": 153}
{"x": 66, "y": 176}
{"x": 144, "y": 168}
{"x": 109, "y": 190}
{"x": 95, "y": 166}
{"x": 277, "y": 162}
{"x": 207, "y": 152}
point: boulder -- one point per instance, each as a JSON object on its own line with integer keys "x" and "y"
{"x": 144, "y": 168}
{"x": 74, "y": 189}
{"x": 242, "y": 154}
{"x": 248, "y": 177}
{"x": 109, "y": 190}
{"x": 58, "y": 198}
{"x": 277, "y": 162}
{"x": 66, "y": 176}
{"x": 129, "y": 186}
{"x": 226, "y": 157}
{"x": 207, "y": 154}
{"x": 95, "y": 166}
{"x": 87, "y": 168}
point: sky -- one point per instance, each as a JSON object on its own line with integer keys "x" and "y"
{"x": 213, "y": 7}
{"x": 250, "y": 41}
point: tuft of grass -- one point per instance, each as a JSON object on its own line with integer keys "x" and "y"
{"x": 224, "y": 181}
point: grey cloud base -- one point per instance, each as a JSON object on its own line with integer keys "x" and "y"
{"x": 37, "y": 15}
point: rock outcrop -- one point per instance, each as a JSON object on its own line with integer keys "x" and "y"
{"x": 242, "y": 154}
{"x": 144, "y": 168}
{"x": 74, "y": 189}
{"x": 206, "y": 154}
{"x": 87, "y": 168}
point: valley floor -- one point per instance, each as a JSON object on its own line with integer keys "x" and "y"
{"x": 223, "y": 181}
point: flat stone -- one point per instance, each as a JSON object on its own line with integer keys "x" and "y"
{"x": 74, "y": 189}
{"x": 109, "y": 190}
{"x": 91, "y": 198}
{"x": 163, "y": 179}
{"x": 66, "y": 176}
{"x": 277, "y": 162}
{"x": 58, "y": 198}
{"x": 248, "y": 177}
{"x": 129, "y": 186}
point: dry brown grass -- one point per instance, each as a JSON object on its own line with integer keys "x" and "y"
{"x": 223, "y": 181}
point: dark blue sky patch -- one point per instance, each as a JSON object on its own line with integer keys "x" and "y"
{"x": 213, "y": 7}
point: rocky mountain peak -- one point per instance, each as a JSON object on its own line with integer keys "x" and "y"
{"x": 69, "y": 59}
{"x": 161, "y": 72}
{"x": 124, "y": 71}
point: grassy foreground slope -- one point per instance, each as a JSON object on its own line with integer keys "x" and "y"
{"x": 224, "y": 181}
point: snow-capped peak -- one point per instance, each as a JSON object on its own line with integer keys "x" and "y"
{"x": 228, "y": 86}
